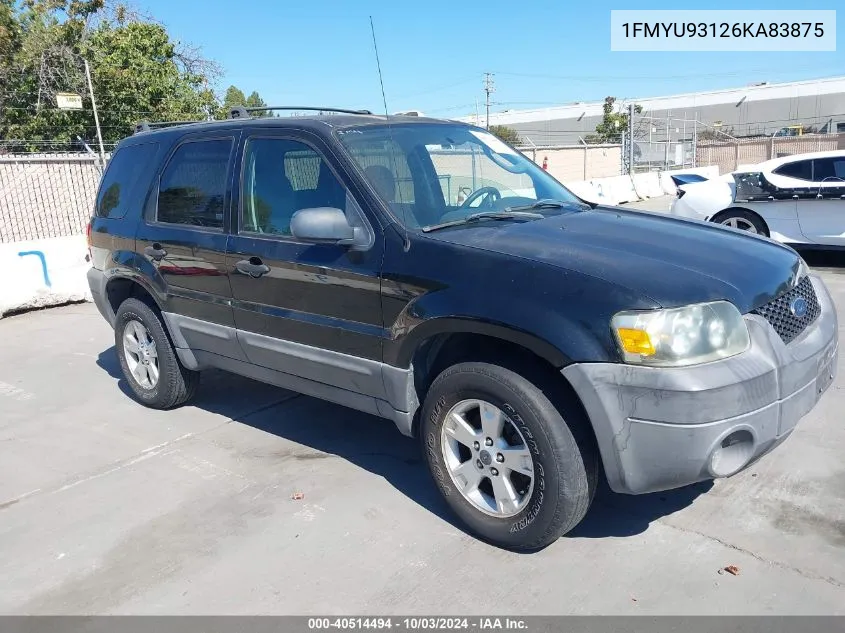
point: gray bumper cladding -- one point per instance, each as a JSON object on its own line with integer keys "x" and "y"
{"x": 97, "y": 282}
{"x": 661, "y": 428}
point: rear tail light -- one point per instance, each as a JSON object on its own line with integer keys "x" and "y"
{"x": 88, "y": 239}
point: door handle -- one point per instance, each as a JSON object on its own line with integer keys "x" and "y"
{"x": 253, "y": 267}
{"x": 155, "y": 252}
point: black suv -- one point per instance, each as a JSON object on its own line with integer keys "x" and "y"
{"x": 426, "y": 272}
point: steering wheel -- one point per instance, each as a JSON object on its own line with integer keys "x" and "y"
{"x": 492, "y": 193}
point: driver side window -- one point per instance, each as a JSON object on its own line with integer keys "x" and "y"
{"x": 462, "y": 170}
{"x": 281, "y": 177}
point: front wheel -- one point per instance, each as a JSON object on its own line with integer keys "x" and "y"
{"x": 505, "y": 458}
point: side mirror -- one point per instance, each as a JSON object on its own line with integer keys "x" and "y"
{"x": 325, "y": 225}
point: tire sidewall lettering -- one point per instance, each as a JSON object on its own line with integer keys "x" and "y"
{"x": 536, "y": 504}
{"x": 432, "y": 443}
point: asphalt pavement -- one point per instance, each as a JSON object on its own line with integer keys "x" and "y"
{"x": 107, "y": 507}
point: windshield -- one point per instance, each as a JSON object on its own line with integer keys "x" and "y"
{"x": 434, "y": 173}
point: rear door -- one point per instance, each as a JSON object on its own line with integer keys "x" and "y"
{"x": 182, "y": 242}
{"x": 822, "y": 213}
{"x": 120, "y": 200}
{"x": 310, "y": 310}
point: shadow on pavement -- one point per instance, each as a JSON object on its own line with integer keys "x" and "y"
{"x": 617, "y": 515}
{"x": 377, "y": 446}
{"x": 823, "y": 258}
{"x": 368, "y": 442}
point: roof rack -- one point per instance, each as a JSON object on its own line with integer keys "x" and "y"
{"x": 242, "y": 112}
{"x": 146, "y": 126}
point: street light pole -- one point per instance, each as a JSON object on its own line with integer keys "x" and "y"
{"x": 96, "y": 118}
{"x": 488, "y": 88}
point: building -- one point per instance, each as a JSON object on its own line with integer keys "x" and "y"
{"x": 761, "y": 109}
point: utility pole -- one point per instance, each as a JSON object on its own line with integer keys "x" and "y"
{"x": 630, "y": 138}
{"x": 96, "y": 118}
{"x": 488, "y": 89}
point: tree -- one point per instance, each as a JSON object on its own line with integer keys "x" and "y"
{"x": 716, "y": 134}
{"x": 613, "y": 123}
{"x": 505, "y": 133}
{"x": 138, "y": 72}
{"x": 235, "y": 97}
{"x": 255, "y": 101}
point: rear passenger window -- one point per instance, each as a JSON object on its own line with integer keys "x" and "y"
{"x": 828, "y": 169}
{"x": 800, "y": 169}
{"x": 193, "y": 185}
{"x": 125, "y": 170}
{"x": 280, "y": 178}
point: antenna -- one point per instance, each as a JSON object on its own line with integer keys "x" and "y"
{"x": 407, "y": 239}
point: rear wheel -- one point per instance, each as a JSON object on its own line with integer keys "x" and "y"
{"x": 505, "y": 458}
{"x": 148, "y": 360}
{"x": 743, "y": 220}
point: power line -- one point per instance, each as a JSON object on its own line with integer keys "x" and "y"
{"x": 437, "y": 88}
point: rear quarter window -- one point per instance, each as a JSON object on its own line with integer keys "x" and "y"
{"x": 800, "y": 169}
{"x": 123, "y": 181}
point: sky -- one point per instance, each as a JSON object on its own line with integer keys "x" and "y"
{"x": 434, "y": 53}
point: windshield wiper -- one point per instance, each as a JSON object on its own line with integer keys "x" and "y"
{"x": 548, "y": 203}
{"x": 516, "y": 213}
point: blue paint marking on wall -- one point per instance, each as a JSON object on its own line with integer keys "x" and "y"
{"x": 40, "y": 255}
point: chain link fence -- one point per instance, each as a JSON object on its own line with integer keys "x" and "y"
{"x": 730, "y": 155}
{"x": 46, "y": 195}
{"x": 659, "y": 143}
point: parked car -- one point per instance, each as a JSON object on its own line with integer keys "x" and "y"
{"x": 528, "y": 339}
{"x": 798, "y": 200}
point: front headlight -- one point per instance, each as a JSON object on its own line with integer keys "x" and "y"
{"x": 681, "y": 336}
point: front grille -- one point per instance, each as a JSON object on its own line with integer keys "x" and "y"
{"x": 779, "y": 314}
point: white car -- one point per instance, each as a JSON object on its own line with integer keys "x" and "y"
{"x": 796, "y": 199}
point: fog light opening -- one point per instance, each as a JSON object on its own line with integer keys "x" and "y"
{"x": 732, "y": 454}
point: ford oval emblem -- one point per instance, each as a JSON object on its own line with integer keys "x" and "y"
{"x": 798, "y": 307}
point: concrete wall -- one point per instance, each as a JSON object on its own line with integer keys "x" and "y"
{"x": 578, "y": 162}
{"x": 39, "y": 273}
{"x": 620, "y": 189}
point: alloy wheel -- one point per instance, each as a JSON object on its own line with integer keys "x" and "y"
{"x": 141, "y": 354}
{"x": 740, "y": 223}
{"x": 487, "y": 458}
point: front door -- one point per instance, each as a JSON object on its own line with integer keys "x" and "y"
{"x": 822, "y": 214}
{"x": 310, "y": 310}
{"x": 183, "y": 243}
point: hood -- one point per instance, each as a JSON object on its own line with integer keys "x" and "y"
{"x": 671, "y": 261}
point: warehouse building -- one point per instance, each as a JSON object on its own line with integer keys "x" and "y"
{"x": 761, "y": 109}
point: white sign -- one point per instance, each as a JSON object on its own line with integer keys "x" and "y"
{"x": 68, "y": 101}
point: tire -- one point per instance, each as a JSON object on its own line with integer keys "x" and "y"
{"x": 565, "y": 469}
{"x": 175, "y": 384}
{"x": 743, "y": 220}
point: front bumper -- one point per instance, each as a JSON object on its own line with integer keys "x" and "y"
{"x": 662, "y": 428}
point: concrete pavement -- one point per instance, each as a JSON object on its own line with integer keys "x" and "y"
{"x": 110, "y": 508}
